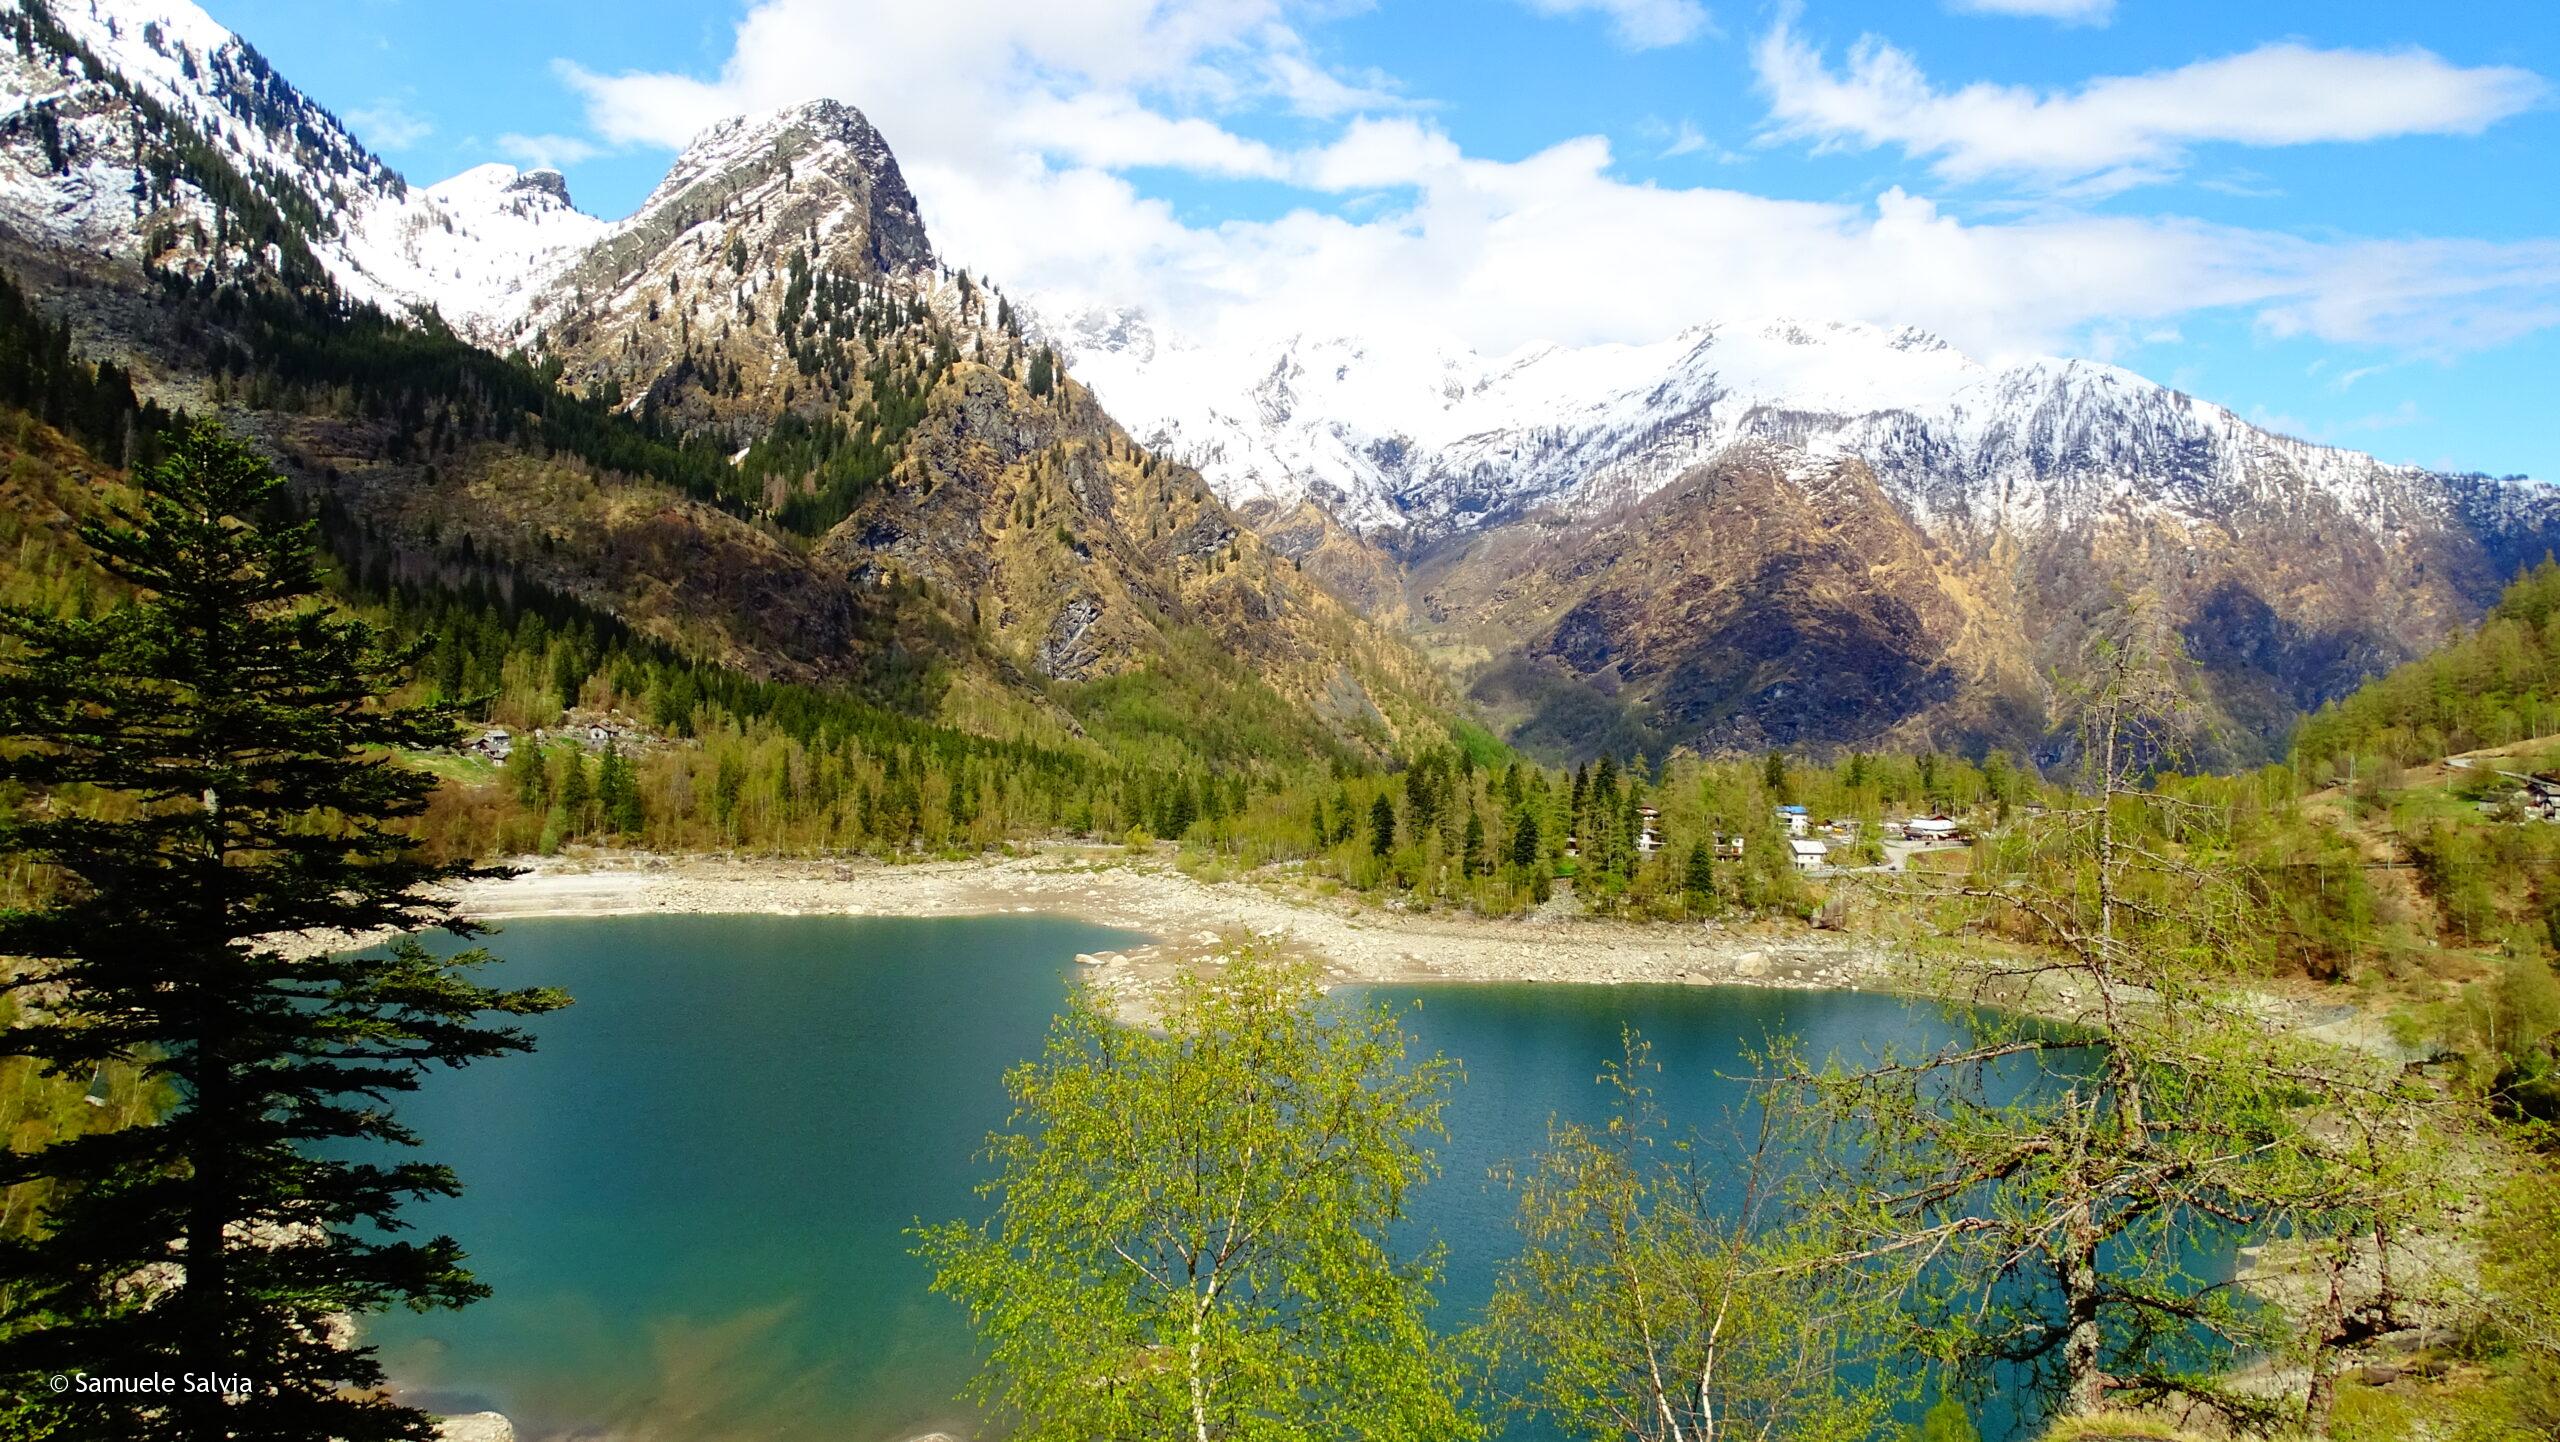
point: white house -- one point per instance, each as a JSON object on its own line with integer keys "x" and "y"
{"x": 1809, "y": 855}
{"x": 1930, "y": 828}
{"x": 1796, "y": 819}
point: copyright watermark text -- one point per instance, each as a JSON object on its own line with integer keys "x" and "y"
{"x": 153, "y": 1384}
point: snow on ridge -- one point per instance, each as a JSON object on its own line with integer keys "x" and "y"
{"x": 1397, "y": 436}
{"x": 477, "y": 248}
{"x": 738, "y": 140}
{"x": 474, "y": 248}
{"x": 1389, "y": 433}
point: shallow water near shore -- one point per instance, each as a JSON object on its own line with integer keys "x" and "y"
{"x": 692, "y": 1201}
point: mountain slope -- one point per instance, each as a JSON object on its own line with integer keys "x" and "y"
{"x": 2043, "y": 490}
{"x": 1754, "y": 603}
{"x": 767, "y": 426}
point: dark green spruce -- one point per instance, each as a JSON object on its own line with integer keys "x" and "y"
{"x": 206, "y": 773}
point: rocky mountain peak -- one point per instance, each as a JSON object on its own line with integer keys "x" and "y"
{"x": 714, "y": 276}
{"x": 818, "y": 166}
{"x": 547, "y": 184}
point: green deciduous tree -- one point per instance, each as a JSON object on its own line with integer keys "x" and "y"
{"x": 1191, "y": 1234}
{"x": 2520, "y": 1270}
{"x": 211, "y": 780}
{"x": 1667, "y": 1290}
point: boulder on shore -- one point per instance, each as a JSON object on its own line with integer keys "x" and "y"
{"x": 476, "y": 1427}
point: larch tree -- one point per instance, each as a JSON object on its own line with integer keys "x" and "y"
{"x": 2067, "y": 1178}
{"x": 206, "y": 773}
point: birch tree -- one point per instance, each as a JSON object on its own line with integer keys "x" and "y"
{"x": 1666, "y": 1290}
{"x": 1193, "y": 1228}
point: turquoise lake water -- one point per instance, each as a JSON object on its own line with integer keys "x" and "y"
{"x": 691, "y": 1201}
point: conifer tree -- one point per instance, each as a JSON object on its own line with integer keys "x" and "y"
{"x": 574, "y": 790}
{"x": 212, "y": 785}
{"x": 1524, "y": 840}
{"x": 1382, "y": 826}
{"x": 619, "y": 794}
{"x": 1698, "y": 881}
{"x": 523, "y": 771}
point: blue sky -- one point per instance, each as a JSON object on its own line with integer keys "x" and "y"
{"x": 2340, "y": 219}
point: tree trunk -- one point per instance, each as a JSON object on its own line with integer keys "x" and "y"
{"x": 2084, "y": 1380}
{"x": 204, "y": 1298}
{"x": 1199, "y": 1382}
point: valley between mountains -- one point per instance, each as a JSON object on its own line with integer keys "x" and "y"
{"x": 867, "y": 466}
{"x": 2104, "y": 846}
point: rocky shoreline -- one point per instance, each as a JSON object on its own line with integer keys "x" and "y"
{"x": 1187, "y": 920}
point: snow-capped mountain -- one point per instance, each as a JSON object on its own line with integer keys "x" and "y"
{"x": 727, "y": 245}
{"x": 1408, "y": 444}
{"x": 476, "y": 248}
{"x": 485, "y": 250}
{"x": 757, "y": 418}
{"x": 1767, "y": 533}
{"x": 1780, "y": 532}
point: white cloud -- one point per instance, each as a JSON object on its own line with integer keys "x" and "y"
{"x": 2118, "y": 131}
{"x": 389, "y": 124}
{"x": 931, "y": 76}
{"x": 546, "y": 152}
{"x": 1310, "y": 89}
{"x": 1639, "y": 24}
{"x": 2438, "y": 295}
{"x": 1017, "y": 127}
{"x": 2069, "y": 12}
{"x": 1115, "y": 132}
